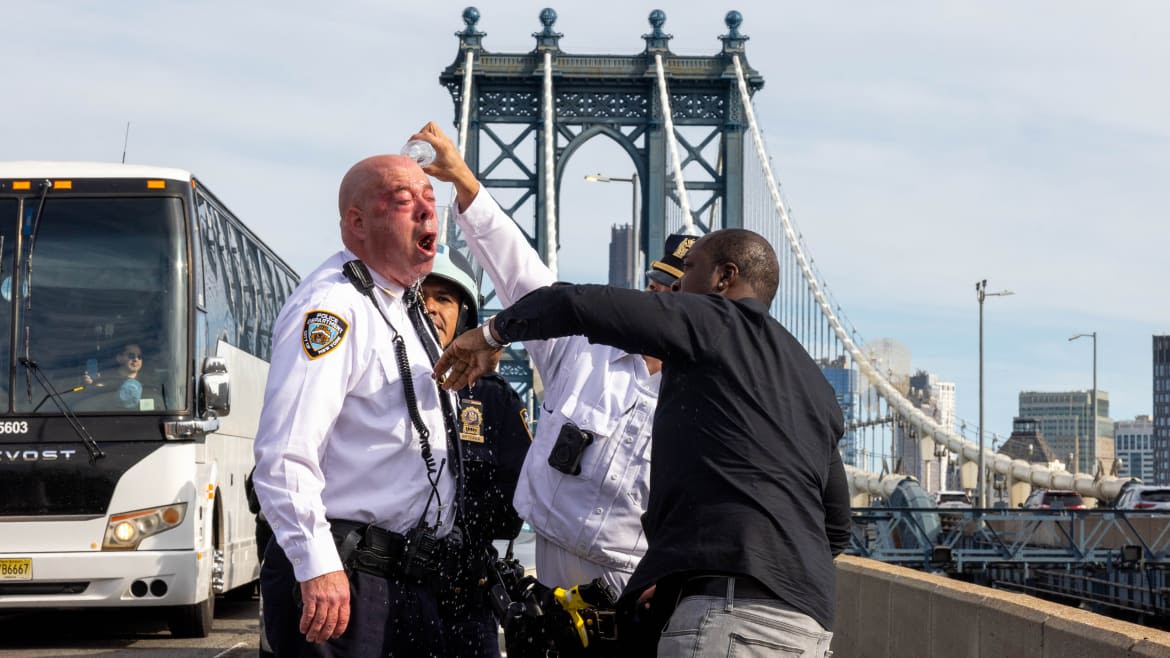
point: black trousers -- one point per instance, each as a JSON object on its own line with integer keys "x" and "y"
{"x": 387, "y": 617}
{"x": 472, "y": 632}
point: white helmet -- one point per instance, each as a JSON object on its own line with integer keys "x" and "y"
{"x": 451, "y": 265}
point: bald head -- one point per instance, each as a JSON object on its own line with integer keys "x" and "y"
{"x": 387, "y": 208}
{"x": 364, "y": 179}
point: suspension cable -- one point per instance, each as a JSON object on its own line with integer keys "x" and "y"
{"x": 464, "y": 118}
{"x": 1037, "y": 475}
{"x": 550, "y": 194}
{"x": 675, "y": 163}
{"x": 465, "y": 106}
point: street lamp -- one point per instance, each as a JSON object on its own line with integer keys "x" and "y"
{"x": 980, "y": 294}
{"x": 633, "y": 181}
{"x": 1093, "y": 394}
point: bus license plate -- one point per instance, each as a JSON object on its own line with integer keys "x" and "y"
{"x": 16, "y": 569}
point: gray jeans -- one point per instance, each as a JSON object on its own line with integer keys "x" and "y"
{"x": 709, "y": 627}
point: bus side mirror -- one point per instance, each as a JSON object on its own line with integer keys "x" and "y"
{"x": 216, "y": 386}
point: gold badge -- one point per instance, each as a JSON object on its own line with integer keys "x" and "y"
{"x": 684, "y": 247}
{"x": 471, "y": 420}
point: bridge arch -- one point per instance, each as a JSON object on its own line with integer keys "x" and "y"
{"x": 601, "y": 94}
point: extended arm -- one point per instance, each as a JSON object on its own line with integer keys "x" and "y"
{"x": 497, "y": 243}
{"x": 669, "y": 326}
{"x": 288, "y": 478}
{"x": 511, "y": 263}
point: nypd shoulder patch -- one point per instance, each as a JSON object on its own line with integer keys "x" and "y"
{"x": 323, "y": 332}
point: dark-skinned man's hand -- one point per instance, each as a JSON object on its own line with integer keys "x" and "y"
{"x": 465, "y": 360}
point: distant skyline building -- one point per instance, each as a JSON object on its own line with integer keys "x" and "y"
{"x": 1134, "y": 443}
{"x": 878, "y": 437}
{"x": 1064, "y": 418}
{"x": 921, "y": 457}
{"x": 842, "y": 377}
{"x": 1161, "y": 401}
{"x": 621, "y": 257}
{"x": 1027, "y": 442}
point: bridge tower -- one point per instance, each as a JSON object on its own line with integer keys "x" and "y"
{"x": 612, "y": 95}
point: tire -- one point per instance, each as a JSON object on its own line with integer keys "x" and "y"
{"x": 193, "y": 620}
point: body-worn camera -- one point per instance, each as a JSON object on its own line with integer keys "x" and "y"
{"x": 569, "y": 449}
{"x": 424, "y": 554}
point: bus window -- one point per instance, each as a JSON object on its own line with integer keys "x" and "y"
{"x": 251, "y": 286}
{"x": 206, "y": 246}
{"x": 109, "y": 279}
{"x": 234, "y": 267}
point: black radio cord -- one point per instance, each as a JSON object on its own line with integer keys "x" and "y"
{"x": 359, "y": 276}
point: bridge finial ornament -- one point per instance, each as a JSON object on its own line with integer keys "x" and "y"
{"x": 657, "y": 39}
{"x": 547, "y": 39}
{"x": 733, "y": 41}
{"x": 471, "y": 38}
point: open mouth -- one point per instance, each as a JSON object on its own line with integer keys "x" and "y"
{"x": 427, "y": 243}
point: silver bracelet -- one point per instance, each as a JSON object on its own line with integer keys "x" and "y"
{"x": 488, "y": 337}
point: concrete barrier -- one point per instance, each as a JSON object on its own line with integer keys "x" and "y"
{"x": 889, "y": 611}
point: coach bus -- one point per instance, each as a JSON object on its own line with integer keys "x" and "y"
{"x": 135, "y": 313}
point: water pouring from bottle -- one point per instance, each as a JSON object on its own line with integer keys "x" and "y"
{"x": 420, "y": 151}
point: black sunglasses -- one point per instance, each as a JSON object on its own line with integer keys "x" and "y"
{"x": 133, "y": 355}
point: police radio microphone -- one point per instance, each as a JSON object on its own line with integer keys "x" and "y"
{"x": 359, "y": 275}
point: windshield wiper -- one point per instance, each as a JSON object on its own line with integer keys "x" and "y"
{"x": 32, "y": 242}
{"x": 95, "y": 451}
{"x": 76, "y": 389}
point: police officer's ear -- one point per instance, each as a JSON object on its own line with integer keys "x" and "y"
{"x": 353, "y": 223}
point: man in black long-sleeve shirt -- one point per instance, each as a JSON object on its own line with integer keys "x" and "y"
{"x": 748, "y": 498}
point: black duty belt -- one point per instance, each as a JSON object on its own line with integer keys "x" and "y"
{"x": 716, "y": 585}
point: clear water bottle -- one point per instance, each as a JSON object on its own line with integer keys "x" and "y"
{"x": 419, "y": 151}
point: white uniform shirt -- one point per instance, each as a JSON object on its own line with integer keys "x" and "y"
{"x": 595, "y": 515}
{"x": 335, "y": 438}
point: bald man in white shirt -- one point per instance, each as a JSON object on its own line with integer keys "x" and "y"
{"x": 353, "y": 465}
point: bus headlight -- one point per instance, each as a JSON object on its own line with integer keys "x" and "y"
{"x": 125, "y": 531}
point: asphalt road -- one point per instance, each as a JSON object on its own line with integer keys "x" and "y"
{"x": 141, "y": 632}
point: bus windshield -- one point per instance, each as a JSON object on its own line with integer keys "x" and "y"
{"x": 103, "y": 305}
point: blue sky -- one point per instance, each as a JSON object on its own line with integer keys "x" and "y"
{"x": 922, "y": 146}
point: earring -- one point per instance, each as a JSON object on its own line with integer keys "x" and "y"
{"x": 720, "y": 285}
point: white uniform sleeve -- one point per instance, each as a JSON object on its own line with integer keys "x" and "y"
{"x": 302, "y": 400}
{"x": 514, "y": 267}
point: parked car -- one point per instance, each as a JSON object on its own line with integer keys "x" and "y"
{"x": 1054, "y": 499}
{"x": 952, "y": 499}
{"x": 1144, "y": 497}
